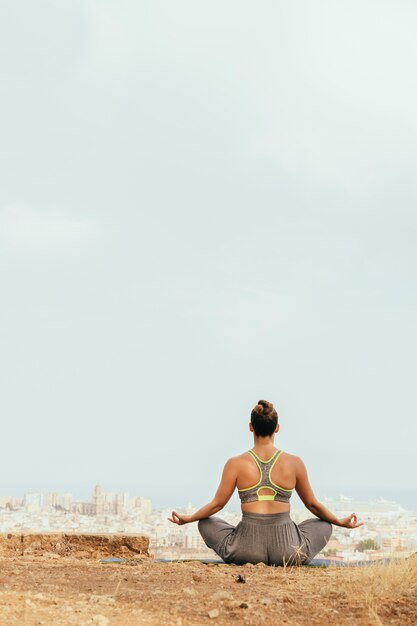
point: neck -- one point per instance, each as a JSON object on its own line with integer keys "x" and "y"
{"x": 263, "y": 443}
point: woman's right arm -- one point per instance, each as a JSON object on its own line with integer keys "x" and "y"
{"x": 221, "y": 498}
{"x": 305, "y": 491}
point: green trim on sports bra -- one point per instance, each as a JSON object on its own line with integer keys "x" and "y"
{"x": 269, "y": 474}
{"x": 258, "y": 460}
{"x": 270, "y": 496}
{"x": 255, "y": 458}
{"x": 261, "y": 460}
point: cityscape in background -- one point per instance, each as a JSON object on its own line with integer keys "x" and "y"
{"x": 389, "y": 529}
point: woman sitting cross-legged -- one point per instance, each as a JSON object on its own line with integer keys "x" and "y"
{"x": 265, "y": 479}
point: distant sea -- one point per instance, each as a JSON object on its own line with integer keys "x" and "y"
{"x": 177, "y": 496}
{"x": 406, "y": 498}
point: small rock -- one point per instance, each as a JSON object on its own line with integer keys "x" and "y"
{"x": 214, "y": 613}
{"x": 266, "y": 601}
{"x": 243, "y": 605}
{"x": 221, "y": 595}
{"x": 100, "y": 620}
{"x": 240, "y": 578}
{"x": 95, "y": 598}
{"x": 81, "y": 554}
{"x": 197, "y": 578}
{"x": 230, "y": 605}
{"x": 50, "y": 555}
{"x": 189, "y": 591}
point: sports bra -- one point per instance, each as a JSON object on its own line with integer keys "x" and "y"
{"x": 251, "y": 494}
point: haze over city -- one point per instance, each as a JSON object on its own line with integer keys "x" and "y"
{"x": 189, "y": 223}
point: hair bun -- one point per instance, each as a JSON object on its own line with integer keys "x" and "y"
{"x": 265, "y": 404}
{"x": 263, "y": 407}
{"x": 264, "y": 418}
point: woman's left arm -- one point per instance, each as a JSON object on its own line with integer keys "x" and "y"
{"x": 221, "y": 498}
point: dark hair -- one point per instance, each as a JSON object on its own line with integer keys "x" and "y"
{"x": 264, "y": 418}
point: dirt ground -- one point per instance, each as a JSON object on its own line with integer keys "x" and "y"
{"x": 67, "y": 591}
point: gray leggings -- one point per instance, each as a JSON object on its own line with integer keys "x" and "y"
{"x": 273, "y": 539}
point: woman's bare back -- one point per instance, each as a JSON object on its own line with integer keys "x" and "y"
{"x": 283, "y": 474}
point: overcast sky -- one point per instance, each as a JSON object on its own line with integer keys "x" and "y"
{"x": 203, "y": 204}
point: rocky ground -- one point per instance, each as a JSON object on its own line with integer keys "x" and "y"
{"x": 56, "y": 580}
{"x": 69, "y": 591}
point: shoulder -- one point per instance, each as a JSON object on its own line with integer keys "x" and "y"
{"x": 232, "y": 467}
{"x": 236, "y": 461}
{"x": 293, "y": 460}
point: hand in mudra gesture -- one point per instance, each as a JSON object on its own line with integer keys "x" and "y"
{"x": 350, "y": 522}
{"x": 179, "y": 519}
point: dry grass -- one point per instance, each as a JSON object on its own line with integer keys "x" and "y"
{"x": 385, "y": 589}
